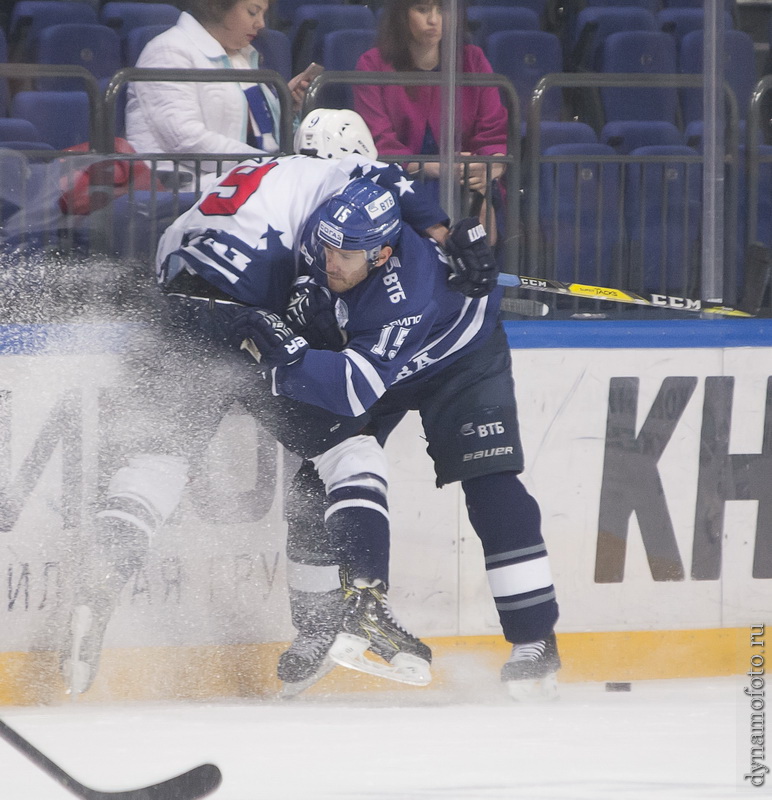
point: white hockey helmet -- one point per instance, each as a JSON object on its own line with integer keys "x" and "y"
{"x": 334, "y": 133}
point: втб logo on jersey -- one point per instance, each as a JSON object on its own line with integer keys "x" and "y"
{"x": 487, "y": 429}
{"x": 482, "y": 431}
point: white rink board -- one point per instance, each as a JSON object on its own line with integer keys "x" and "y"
{"x": 208, "y": 582}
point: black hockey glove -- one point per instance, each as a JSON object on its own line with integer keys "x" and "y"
{"x": 473, "y": 269}
{"x": 311, "y": 313}
{"x": 268, "y": 339}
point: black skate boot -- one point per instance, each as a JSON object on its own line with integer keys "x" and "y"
{"x": 305, "y": 662}
{"x": 118, "y": 552}
{"x": 368, "y": 624}
{"x": 317, "y": 618}
{"x": 530, "y": 671}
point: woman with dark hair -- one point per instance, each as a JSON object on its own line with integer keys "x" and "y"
{"x": 406, "y": 120}
{"x": 198, "y": 117}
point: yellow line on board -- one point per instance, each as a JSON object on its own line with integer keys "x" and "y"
{"x": 200, "y": 673}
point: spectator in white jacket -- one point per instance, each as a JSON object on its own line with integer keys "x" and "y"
{"x": 202, "y": 117}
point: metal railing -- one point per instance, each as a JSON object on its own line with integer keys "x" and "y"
{"x": 523, "y": 248}
{"x": 267, "y": 76}
{"x": 626, "y": 272}
{"x": 28, "y": 72}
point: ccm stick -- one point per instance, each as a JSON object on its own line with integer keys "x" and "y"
{"x": 617, "y": 295}
{"x": 758, "y": 266}
{"x": 195, "y": 783}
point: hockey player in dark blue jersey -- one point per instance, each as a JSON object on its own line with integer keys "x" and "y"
{"x": 408, "y": 341}
{"x": 233, "y": 250}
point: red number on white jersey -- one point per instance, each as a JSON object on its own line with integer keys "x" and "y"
{"x": 234, "y": 190}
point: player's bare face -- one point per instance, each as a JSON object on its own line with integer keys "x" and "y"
{"x": 344, "y": 268}
{"x": 240, "y": 24}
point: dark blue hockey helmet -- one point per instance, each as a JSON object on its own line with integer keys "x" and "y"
{"x": 363, "y": 216}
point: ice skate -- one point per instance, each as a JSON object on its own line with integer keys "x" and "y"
{"x": 369, "y": 625}
{"x": 118, "y": 552}
{"x": 79, "y": 658}
{"x": 530, "y": 673}
{"x": 305, "y": 662}
{"x": 316, "y": 616}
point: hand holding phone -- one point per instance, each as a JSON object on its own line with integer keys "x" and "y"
{"x": 311, "y": 71}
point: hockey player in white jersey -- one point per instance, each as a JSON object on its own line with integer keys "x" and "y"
{"x": 411, "y": 342}
{"x": 235, "y": 249}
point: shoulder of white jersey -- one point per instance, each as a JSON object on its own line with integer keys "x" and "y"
{"x": 354, "y": 163}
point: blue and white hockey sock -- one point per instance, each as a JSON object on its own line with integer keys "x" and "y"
{"x": 358, "y": 518}
{"x": 508, "y": 521}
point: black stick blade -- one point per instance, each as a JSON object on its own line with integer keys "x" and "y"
{"x": 195, "y": 783}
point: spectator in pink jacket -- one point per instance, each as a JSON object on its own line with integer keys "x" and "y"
{"x": 406, "y": 120}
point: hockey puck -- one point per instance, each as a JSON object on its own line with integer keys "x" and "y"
{"x": 616, "y": 686}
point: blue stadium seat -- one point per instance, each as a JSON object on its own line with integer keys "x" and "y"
{"x": 482, "y": 21}
{"x": 680, "y": 21}
{"x": 663, "y": 208}
{"x": 125, "y": 16}
{"x": 61, "y": 117}
{"x": 739, "y": 72}
{"x": 92, "y": 46}
{"x": 580, "y": 215}
{"x": 628, "y": 135}
{"x": 764, "y": 218}
{"x": 25, "y": 144}
{"x": 284, "y": 10}
{"x": 29, "y": 17}
{"x": 540, "y": 7}
{"x": 310, "y": 23}
{"x": 20, "y": 130}
{"x": 730, "y": 5}
{"x": 640, "y": 52}
{"x": 649, "y": 5}
{"x": 136, "y": 39}
{"x": 341, "y": 51}
{"x": 594, "y": 24}
{"x": 142, "y": 216}
{"x": 276, "y": 51}
{"x": 13, "y": 175}
{"x": 525, "y": 57}
{"x": 553, "y": 133}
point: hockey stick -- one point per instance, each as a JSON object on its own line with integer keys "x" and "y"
{"x": 758, "y": 269}
{"x": 197, "y": 782}
{"x": 618, "y": 296}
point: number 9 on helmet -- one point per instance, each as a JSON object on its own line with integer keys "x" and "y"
{"x": 334, "y": 133}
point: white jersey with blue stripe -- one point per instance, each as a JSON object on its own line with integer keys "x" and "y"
{"x": 241, "y": 235}
{"x": 403, "y": 324}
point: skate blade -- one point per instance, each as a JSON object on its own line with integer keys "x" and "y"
{"x": 290, "y": 690}
{"x": 77, "y": 673}
{"x": 349, "y": 651}
{"x": 534, "y": 691}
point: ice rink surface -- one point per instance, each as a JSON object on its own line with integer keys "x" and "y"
{"x": 665, "y": 739}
